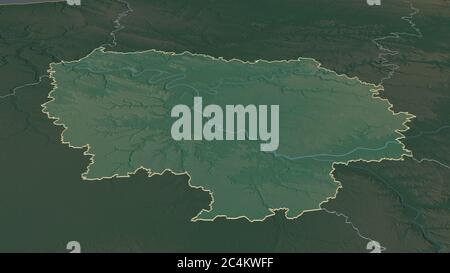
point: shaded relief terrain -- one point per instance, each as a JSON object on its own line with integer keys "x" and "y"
{"x": 402, "y": 204}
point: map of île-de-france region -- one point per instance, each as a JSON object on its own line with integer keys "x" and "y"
{"x": 262, "y": 127}
{"x": 119, "y": 105}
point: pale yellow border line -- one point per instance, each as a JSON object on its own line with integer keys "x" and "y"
{"x": 319, "y": 66}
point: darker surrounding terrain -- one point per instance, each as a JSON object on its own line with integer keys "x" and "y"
{"x": 403, "y": 204}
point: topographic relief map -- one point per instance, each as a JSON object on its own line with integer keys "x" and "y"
{"x": 225, "y": 126}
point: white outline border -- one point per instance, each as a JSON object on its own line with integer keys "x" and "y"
{"x": 375, "y": 95}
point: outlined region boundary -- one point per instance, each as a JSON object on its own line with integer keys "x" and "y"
{"x": 117, "y": 27}
{"x": 384, "y": 61}
{"x": 374, "y": 89}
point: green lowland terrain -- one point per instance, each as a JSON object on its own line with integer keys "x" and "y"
{"x": 120, "y": 105}
{"x": 44, "y": 203}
